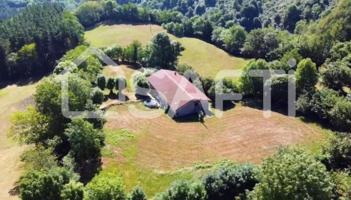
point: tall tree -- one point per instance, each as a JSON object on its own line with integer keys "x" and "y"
{"x": 163, "y": 52}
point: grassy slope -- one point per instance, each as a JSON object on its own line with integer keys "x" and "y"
{"x": 153, "y": 153}
{"x": 12, "y": 98}
{"x": 205, "y": 58}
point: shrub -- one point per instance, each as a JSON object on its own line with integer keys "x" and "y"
{"x": 306, "y": 75}
{"x": 72, "y": 191}
{"x": 229, "y": 181}
{"x": 253, "y": 86}
{"x": 279, "y": 90}
{"x": 42, "y": 185}
{"x": 137, "y": 194}
{"x": 105, "y": 186}
{"x": 293, "y": 174}
{"x": 340, "y": 115}
{"x": 183, "y": 190}
{"x": 338, "y": 153}
{"x": 97, "y": 96}
{"x": 110, "y": 84}
{"x": 101, "y": 81}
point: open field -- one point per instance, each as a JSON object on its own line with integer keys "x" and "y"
{"x": 205, "y": 58}
{"x": 12, "y": 98}
{"x": 150, "y": 151}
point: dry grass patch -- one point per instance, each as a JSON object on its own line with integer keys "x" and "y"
{"x": 242, "y": 135}
{"x": 12, "y": 98}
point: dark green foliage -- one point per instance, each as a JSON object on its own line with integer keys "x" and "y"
{"x": 163, "y": 52}
{"x": 38, "y": 36}
{"x": 121, "y": 84}
{"x": 43, "y": 185}
{"x": 339, "y": 51}
{"x": 279, "y": 90}
{"x": 229, "y": 182}
{"x": 110, "y": 84}
{"x": 337, "y": 75}
{"x": 293, "y": 174}
{"x": 137, "y": 194}
{"x": 72, "y": 191}
{"x": 85, "y": 147}
{"x": 253, "y": 86}
{"x": 183, "y": 190}
{"x": 262, "y": 43}
{"x": 220, "y": 88}
{"x": 97, "y": 96}
{"x": 233, "y": 39}
{"x": 292, "y": 17}
{"x": 338, "y": 153}
{"x": 306, "y": 75}
{"x": 89, "y": 13}
{"x": 101, "y": 81}
{"x": 133, "y": 52}
{"x": 105, "y": 187}
{"x": 340, "y": 115}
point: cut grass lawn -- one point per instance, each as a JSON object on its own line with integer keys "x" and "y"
{"x": 206, "y": 59}
{"x": 153, "y": 153}
{"x": 12, "y": 98}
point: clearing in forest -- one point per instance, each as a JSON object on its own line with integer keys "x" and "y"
{"x": 206, "y": 58}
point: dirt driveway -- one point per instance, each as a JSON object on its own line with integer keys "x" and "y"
{"x": 241, "y": 135}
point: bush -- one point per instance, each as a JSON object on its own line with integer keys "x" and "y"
{"x": 121, "y": 84}
{"x": 337, "y": 75}
{"x": 101, "y": 81}
{"x": 42, "y": 185}
{"x": 137, "y": 194}
{"x": 340, "y": 115}
{"x": 306, "y": 76}
{"x": 229, "y": 182}
{"x": 105, "y": 186}
{"x": 293, "y": 174}
{"x": 110, "y": 84}
{"x": 253, "y": 86}
{"x": 222, "y": 87}
{"x": 322, "y": 103}
{"x": 86, "y": 143}
{"x": 279, "y": 90}
{"x": 338, "y": 153}
{"x": 72, "y": 191}
{"x": 183, "y": 190}
{"x": 97, "y": 96}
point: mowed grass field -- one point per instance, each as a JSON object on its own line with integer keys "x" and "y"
{"x": 206, "y": 59}
{"x": 154, "y": 152}
{"x": 12, "y": 98}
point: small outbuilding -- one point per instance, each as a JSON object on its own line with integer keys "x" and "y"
{"x": 177, "y": 95}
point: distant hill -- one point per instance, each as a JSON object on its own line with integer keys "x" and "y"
{"x": 249, "y": 13}
{"x": 9, "y": 8}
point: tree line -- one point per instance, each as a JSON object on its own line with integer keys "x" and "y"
{"x": 33, "y": 40}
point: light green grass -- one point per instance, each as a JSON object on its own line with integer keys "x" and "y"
{"x": 206, "y": 59}
{"x": 122, "y": 143}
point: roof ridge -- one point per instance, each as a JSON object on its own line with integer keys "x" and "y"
{"x": 181, "y": 83}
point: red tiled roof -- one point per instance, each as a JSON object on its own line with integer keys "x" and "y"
{"x": 175, "y": 89}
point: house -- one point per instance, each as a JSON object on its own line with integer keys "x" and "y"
{"x": 176, "y": 94}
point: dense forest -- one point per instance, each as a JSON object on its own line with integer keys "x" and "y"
{"x": 310, "y": 37}
{"x": 9, "y": 8}
{"x": 33, "y": 40}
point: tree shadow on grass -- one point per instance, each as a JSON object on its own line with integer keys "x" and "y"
{"x": 21, "y": 82}
{"x": 15, "y": 190}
